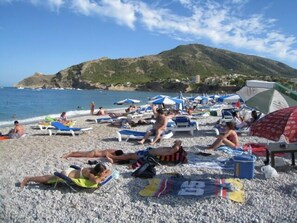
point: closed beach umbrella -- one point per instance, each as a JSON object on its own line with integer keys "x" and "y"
{"x": 267, "y": 96}
{"x": 127, "y": 101}
{"x": 276, "y": 124}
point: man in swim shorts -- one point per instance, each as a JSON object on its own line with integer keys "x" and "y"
{"x": 161, "y": 151}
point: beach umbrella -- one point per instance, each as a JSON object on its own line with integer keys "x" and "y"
{"x": 276, "y": 124}
{"x": 190, "y": 98}
{"x": 198, "y": 98}
{"x": 267, "y": 96}
{"x": 127, "y": 101}
{"x": 181, "y": 97}
{"x": 229, "y": 98}
{"x": 166, "y": 101}
{"x": 158, "y": 97}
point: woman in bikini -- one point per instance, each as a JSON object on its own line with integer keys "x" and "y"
{"x": 230, "y": 138}
{"x": 96, "y": 175}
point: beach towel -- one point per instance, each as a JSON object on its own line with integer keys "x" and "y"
{"x": 259, "y": 149}
{"x": 233, "y": 152}
{"x": 4, "y": 137}
{"x": 197, "y": 162}
{"x": 231, "y": 189}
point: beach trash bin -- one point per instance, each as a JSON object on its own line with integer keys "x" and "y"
{"x": 213, "y": 113}
{"x": 244, "y": 166}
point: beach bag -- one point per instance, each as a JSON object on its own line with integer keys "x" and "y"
{"x": 147, "y": 169}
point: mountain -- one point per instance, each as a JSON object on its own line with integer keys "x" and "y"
{"x": 37, "y": 80}
{"x": 183, "y": 63}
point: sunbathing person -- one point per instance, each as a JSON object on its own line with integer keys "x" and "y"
{"x": 17, "y": 132}
{"x": 93, "y": 153}
{"x": 230, "y": 138}
{"x": 64, "y": 119}
{"x": 158, "y": 127}
{"x": 161, "y": 151}
{"x": 96, "y": 175}
{"x": 101, "y": 111}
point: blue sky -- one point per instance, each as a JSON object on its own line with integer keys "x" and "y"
{"x": 50, "y": 35}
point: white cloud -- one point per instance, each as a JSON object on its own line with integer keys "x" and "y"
{"x": 223, "y": 25}
{"x": 122, "y": 12}
{"x": 222, "y": 22}
{"x": 55, "y": 4}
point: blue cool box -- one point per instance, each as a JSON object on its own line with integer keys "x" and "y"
{"x": 244, "y": 166}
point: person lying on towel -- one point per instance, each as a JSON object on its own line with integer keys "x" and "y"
{"x": 161, "y": 151}
{"x": 96, "y": 175}
{"x": 117, "y": 155}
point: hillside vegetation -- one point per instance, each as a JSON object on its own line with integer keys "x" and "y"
{"x": 183, "y": 63}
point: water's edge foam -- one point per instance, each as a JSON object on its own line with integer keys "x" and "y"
{"x": 70, "y": 114}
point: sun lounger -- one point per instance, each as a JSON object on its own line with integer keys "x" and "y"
{"x": 60, "y": 128}
{"x": 47, "y": 125}
{"x": 241, "y": 131}
{"x": 183, "y": 124}
{"x": 82, "y": 182}
{"x": 104, "y": 120}
{"x": 131, "y": 134}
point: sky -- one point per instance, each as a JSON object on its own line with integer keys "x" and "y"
{"x": 47, "y": 36}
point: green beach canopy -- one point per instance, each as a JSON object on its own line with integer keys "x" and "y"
{"x": 267, "y": 96}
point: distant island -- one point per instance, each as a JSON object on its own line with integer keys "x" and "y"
{"x": 186, "y": 68}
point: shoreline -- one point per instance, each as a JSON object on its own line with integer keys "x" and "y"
{"x": 72, "y": 114}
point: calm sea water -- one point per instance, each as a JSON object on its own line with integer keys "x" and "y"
{"x": 28, "y": 105}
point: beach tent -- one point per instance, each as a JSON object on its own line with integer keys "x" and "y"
{"x": 267, "y": 96}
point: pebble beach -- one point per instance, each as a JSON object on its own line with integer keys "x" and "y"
{"x": 266, "y": 200}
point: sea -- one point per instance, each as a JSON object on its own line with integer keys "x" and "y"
{"x": 33, "y": 105}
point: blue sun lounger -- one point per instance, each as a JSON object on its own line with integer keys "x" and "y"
{"x": 132, "y": 134}
{"x": 60, "y": 128}
{"x": 183, "y": 124}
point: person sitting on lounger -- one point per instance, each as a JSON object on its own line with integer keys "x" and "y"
{"x": 96, "y": 175}
{"x": 63, "y": 118}
{"x": 161, "y": 151}
{"x": 230, "y": 138}
{"x": 158, "y": 127}
{"x": 255, "y": 117}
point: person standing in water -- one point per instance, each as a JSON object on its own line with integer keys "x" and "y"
{"x": 92, "y": 108}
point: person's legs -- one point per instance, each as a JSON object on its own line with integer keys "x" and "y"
{"x": 229, "y": 143}
{"x": 128, "y": 156}
{"x": 89, "y": 154}
{"x": 217, "y": 143}
{"x": 38, "y": 179}
{"x": 157, "y": 136}
{"x": 147, "y": 135}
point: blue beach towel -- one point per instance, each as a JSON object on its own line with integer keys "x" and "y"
{"x": 233, "y": 152}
